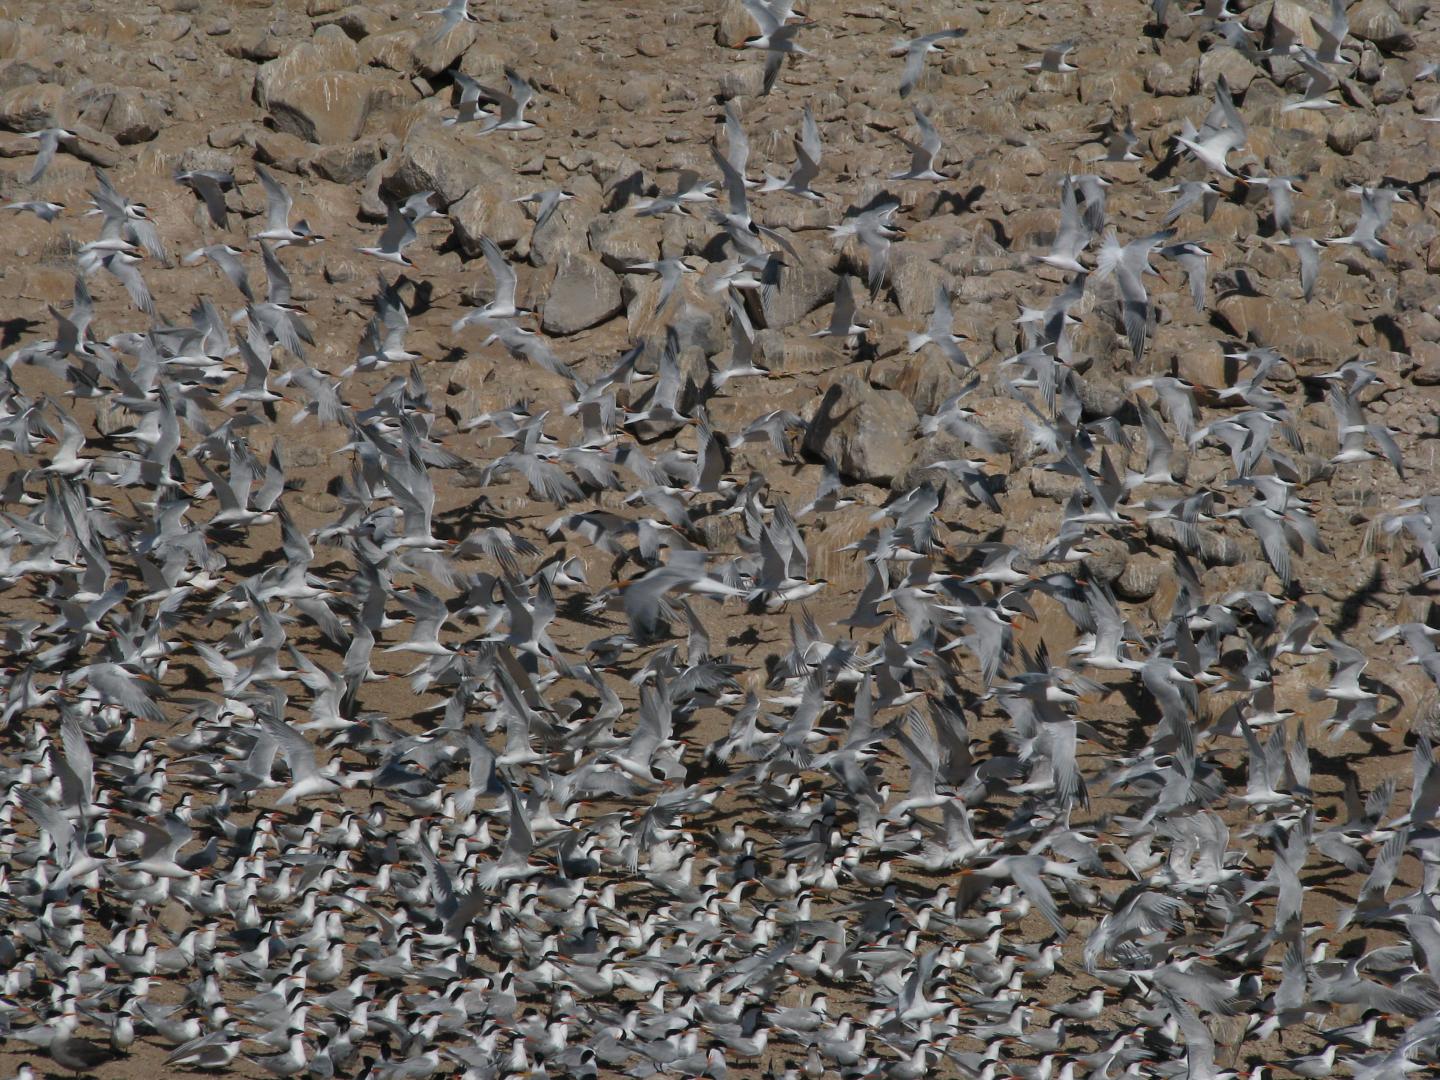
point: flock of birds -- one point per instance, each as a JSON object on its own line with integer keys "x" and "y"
{"x": 210, "y": 844}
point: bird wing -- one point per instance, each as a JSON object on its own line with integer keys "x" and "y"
{"x": 278, "y": 201}
{"x": 504, "y": 273}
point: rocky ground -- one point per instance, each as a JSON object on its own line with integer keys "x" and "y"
{"x": 344, "y": 104}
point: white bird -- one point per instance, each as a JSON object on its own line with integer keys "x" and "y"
{"x": 399, "y": 233}
{"x": 842, "y": 316}
{"x": 502, "y": 302}
{"x": 278, "y": 204}
{"x": 915, "y": 50}
{"x": 922, "y": 153}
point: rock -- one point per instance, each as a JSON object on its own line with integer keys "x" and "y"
{"x": 1294, "y": 17}
{"x": 869, "y": 433}
{"x": 1239, "y": 72}
{"x": 358, "y": 23}
{"x": 623, "y": 239}
{"x": 1300, "y": 332}
{"x": 564, "y": 233}
{"x": 19, "y": 40}
{"x": 173, "y": 27}
{"x": 1377, "y": 21}
{"x": 346, "y": 163}
{"x": 805, "y": 285}
{"x": 1349, "y": 128}
{"x": 256, "y": 46}
{"x": 913, "y": 277}
{"x": 1140, "y": 578}
{"x": 735, "y": 25}
{"x": 638, "y": 94}
{"x": 120, "y": 111}
{"x": 1216, "y": 549}
{"x": 926, "y": 379}
{"x": 1108, "y": 559}
{"x": 1427, "y": 355}
{"x": 435, "y": 158}
{"x": 329, "y": 51}
{"x": 30, "y": 107}
{"x": 226, "y": 136}
{"x": 284, "y": 151}
{"x": 1202, "y": 361}
{"x": 431, "y": 56}
{"x": 584, "y": 294}
{"x": 1049, "y": 484}
{"x": 1099, "y": 397}
{"x": 1164, "y": 80}
{"x": 804, "y": 356}
{"x": 18, "y": 74}
{"x": 329, "y": 108}
{"x": 488, "y": 209}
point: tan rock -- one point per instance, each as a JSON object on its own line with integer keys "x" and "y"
{"x": 869, "y": 433}
{"x": 330, "y": 50}
{"x": 488, "y": 209}
{"x": 20, "y": 40}
{"x": 1294, "y": 17}
{"x": 1299, "y": 331}
{"x": 1377, "y": 21}
{"x": 326, "y": 108}
{"x": 30, "y": 107}
{"x": 435, "y": 158}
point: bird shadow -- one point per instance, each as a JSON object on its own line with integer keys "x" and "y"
{"x": 825, "y": 417}
{"x": 1355, "y": 602}
{"x": 12, "y": 330}
{"x": 957, "y": 202}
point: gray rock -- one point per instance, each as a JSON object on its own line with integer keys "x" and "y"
{"x": 1140, "y": 578}
{"x": 1108, "y": 560}
{"x": 1216, "y": 549}
{"x": 869, "y": 433}
{"x": 1099, "y": 397}
{"x": 1351, "y": 128}
{"x": 563, "y": 234}
{"x": 433, "y": 56}
{"x": 584, "y": 293}
{"x": 913, "y": 276}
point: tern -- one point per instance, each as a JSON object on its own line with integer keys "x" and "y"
{"x": 915, "y": 50}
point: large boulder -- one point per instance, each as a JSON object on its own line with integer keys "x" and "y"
{"x": 329, "y": 108}
{"x": 329, "y": 50}
{"x": 435, "y": 158}
{"x": 869, "y": 433}
{"x": 488, "y": 209}
{"x": 122, "y": 112}
{"x": 1298, "y": 331}
{"x": 1377, "y": 21}
{"x": 30, "y": 107}
{"x": 805, "y": 284}
{"x": 585, "y": 293}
